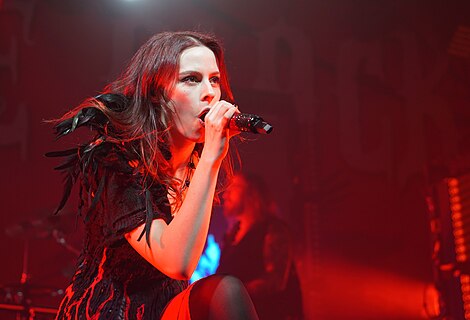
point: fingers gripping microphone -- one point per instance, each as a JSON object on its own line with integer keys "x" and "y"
{"x": 250, "y": 123}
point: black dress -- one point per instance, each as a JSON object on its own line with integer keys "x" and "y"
{"x": 112, "y": 281}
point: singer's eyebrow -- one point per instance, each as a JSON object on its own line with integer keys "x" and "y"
{"x": 192, "y": 72}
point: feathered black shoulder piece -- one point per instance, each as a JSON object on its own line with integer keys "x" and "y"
{"x": 80, "y": 158}
{"x": 114, "y": 101}
{"x": 93, "y": 117}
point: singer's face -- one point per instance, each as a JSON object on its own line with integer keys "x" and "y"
{"x": 196, "y": 90}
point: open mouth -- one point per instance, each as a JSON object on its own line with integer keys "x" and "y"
{"x": 203, "y": 114}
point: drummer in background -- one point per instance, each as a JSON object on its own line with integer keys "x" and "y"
{"x": 258, "y": 249}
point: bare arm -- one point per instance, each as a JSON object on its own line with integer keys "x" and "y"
{"x": 175, "y": 248}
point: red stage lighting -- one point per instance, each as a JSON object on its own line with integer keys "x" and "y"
{"x": 449, "y": 207}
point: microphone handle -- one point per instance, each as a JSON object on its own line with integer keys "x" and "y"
{"x": 246, "y": 122}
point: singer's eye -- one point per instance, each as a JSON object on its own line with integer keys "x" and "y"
{"x": 190, "y": 79}
{"x": 215, "y": 80}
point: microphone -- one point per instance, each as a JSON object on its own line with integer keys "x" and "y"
{"x": 246, "y": 122}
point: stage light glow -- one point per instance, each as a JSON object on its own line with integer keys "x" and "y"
{"x": 209, "y": 260}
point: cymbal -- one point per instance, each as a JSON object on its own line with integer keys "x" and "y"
{"x": 38, "y": 228}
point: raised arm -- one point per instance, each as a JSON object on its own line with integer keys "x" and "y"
{"x": 175, "y": 248}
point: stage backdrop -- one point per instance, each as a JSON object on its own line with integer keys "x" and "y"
{"x": 367, "y": 99}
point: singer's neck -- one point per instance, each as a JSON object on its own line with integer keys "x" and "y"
{"x": 180, "y": 154}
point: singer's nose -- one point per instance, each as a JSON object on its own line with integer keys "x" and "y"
{"x": 208, "y": 91}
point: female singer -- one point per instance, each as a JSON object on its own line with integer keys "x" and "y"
{"x": 147, "y": 181}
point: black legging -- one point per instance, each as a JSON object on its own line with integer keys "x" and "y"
{"x": 220, "y": 297}
{"x": 215, "y": 297}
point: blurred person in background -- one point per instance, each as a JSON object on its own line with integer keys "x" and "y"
{"x": 258, "y": 249}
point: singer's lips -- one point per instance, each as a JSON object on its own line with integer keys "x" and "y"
{"x": 203, "y": 113}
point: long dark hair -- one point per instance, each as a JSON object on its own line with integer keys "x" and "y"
{"x": 146, "y": 83}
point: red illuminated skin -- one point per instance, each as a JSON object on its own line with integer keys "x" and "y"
{"x": 175, "y": 248}
{"x": 197, "y": 88}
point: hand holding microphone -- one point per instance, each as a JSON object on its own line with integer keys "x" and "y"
{"x": 246, "y": 122}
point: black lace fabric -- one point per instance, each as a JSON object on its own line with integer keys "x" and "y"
{"x": 112, "y": 281}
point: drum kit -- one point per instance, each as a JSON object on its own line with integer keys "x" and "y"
{"x": 18, "y": 300}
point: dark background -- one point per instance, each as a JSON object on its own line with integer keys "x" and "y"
{"x": 369, "y": 102}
